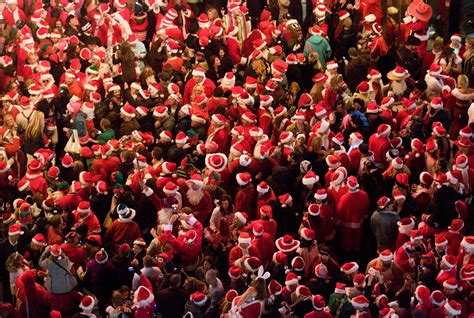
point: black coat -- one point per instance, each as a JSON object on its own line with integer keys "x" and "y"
{"x": 171, "y": 301}
{"x": 443, "y": 209}
{"x": 355, "y": 72}
{"x": 296, "y": 11}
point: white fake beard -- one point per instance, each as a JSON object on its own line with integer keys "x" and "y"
{"x": 398, "y": 88}
{"x": 194, "y": 197}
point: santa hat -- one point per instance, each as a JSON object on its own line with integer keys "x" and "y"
{"x": 235, "y": 272}
{"x": 353, "y": 184}
{"x": 359, "y": 302}
{"x": 451, "y": 283}
{"x": 313, "y": 209}
{"x": 242, "y": 217}
{"x": 15, "y": 229}
{"x": 87, "y": 303}
{"x": 143, "y": 297}
{"x": 437, "y": 103}
{"x": 461, "y": 161}
{"x": 257, "y": 229}
{"x": 307, "y": 234}
{"x": 199, "y": 71}
{"x": 128, "y": 110}
{"x": 287, "y": 244}
{"x": 244, "y": 237}
{"x": 274, "y": 288}
{"x": 359, "y": 281}
{"x": 286, "y": 137}
{"x": 84, "y": 207}
{"x": 340, "y": 288}
{"x": 468, "y": 243}
{"x": 285, "y": 199}
{"x": 456, "y": 225}
{"x": 321, "y": 194}
{"x": 331, "y": 65}
{"x": 456, "y": 36}
{"x": 448, "y": 260}
{"x": 321, "y": 271}
{"x": 279, "y": 66}
{"x": 292, "y": 279}
{"x": 343, "y": 14}
{"x": 332, "y": 161}
{"x": 101, "y": 257}
{"x": 252, "y": 264}
{"x": 310, "y": 178}
{"x": 384, "y": 130}
{"x": 263, "y": 187}
{"x": 243, "y": 178}
{"x": 453, "y": 308}
{"x": 438, "y": 298}
{"x": 386, "y": 256}
{"x": 349, "y": 268}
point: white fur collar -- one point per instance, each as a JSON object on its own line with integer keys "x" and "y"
{"x": 457, "y": 93}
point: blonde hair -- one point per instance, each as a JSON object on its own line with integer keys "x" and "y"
{"x": 35, "y": 128}
{"x": 147, "y": 72}
{"x": 463, "y": 81}
{"x": 197, "y": 90}
{"x": 261, "y": 69}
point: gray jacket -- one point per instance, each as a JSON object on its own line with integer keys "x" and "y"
{"x": 60, "y": 279}
{"x": 385, "y": 228}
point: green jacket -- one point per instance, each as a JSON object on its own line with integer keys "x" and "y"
{"x": 317, "y": 43}
{"x": 105, "y": 136}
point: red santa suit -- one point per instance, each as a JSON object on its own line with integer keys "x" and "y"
{"x": 420, "y": 30}
{"x": 265, "y": 245}
{"x": 378, "y": 47}
{"x": 122, "y": 230}
{"x": 444, "y": 275}
{"x": 221, "y": 137}
{"x": 188, "y": 246}
{"x": 464, "y": 257}
{"x": 265, "y": 119}
{"x": 234, "y": 50}
{"x": 105, "y": 166}
{"x": 351, "y": 210}
{"x": 143, "y": 299}
{"x": 461, "y": 103}
{"x": 454, "y": 239}
{"x": 252, "y": 308}
{"x": 32, "y": 298}
{"x": 89, "y": 219}
{"x": 11, "y": 17}
{"x": 404, "y": 259}
{"x": 372, "y": 7}
{"x": 245, "y": 200}
{"x": 236, "y": 254}
{"x": 200, "y": 209}
{"x": 38, "y": 183}
{"x": 207, "y": 84}
{"x": 379, "y": 144}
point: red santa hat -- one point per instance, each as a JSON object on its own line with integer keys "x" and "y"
{"x": 331, "y": 65}
{"x": 87, "y": 303}
{"x": 280, "y": 258}
{"x": 313, "y": 209}
{"x": 15, "y": 229}
{"x": 310, "y": 178}
{"x": 321, "y": 271}
{"x": 384, "y": 130}
{"x": 243, "y": 178}
{"x": 287, "y": 244}
{"x": 466, "y": 132}
{"x": 285, "y": 199}
{"x": 333, "y": 161}
{"x": 292, "y": 279}
{"x": 350, "y": 268}
{"x": 453, "y": 308}
{"x": 343, "y": 14}
{"x": 448, "y": 260}
{"x": 101, "y": 257}
{"x": 321, "y": 194}
{"x": 286, "y": 137}
{"x": 279, "y": 66}
{"x": 416, "y": 235}
{"x": 468, "y": 244}
{"x": 274, "y": 288}
{"x": 199, "y": 71}
{"x": 258, "y": 230}
{"x": 438, "y": 298}
{"x": 353, "y": 184}
{"x": 84, "y": 207}
{"x": 143, "y": 297}
{"x": 340, "y": 288}
{"x": 263, "y": 187}
{"x": 456, "y": 225}
{"x": 437, "y": 103}
{"x": 359, "y": 302}
{"x": 252, "y": 264}
{"x": 307, "y": 234}
{"x": 128, "y": 110}
{"x": 242, "y": 217}
{"x": 244, "y": 237}
{"x": 386, "y": 256}
{"x": 461, "y": 161}
{"x": 451, "y": 283}
{"x": 320, "y": 78}
{"x": 359, "y": 281}
{"x": 302, "y": 290}
{"x": 235, "y": 272}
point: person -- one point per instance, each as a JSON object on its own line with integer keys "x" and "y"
{"x": 172, "y": 300}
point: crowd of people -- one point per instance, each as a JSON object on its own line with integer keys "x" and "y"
{"x": 290, "y": 158}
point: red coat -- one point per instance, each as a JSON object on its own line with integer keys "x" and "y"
{"x": 121, "y": 232}
{"x": 269, "y": 226}
{"x": 245, "y": 200}
{"x": 236, "y": 254}
{"x": 403, "y": 259}
{"x": 354, "y": 160}
{"x": 70, "y": 201}
{"x": 75, "y": 253}
{"x": 402, "y": 239}
{"x": 32, "y": 298}
{"x": 454, "y": 239}
{"x": 189, "y": 252}
{"x": 93, "y": 225}
{"x": 12, "y": 17}
{"x": 264, "y": 120}
{"x": 208, "y": 85}
{"x": 437, "y": 312}
{"x": 202, "y": 209}
{"x": 351, "y": 210}
{"x": 445, "y": 275}
{"x": 250, "y": 309}
{"x": 221, "y": 137}
{"x": 379, "y": 146}
{"x": 335, "y": 194}
{"x": 105, "y": 167}
{"x": 318, "y": 314}
{"x": 265, "y": 246}
{"x": 233, "y": 48}
{"x": 464, "y": 259}
{"x": 38, "y": 183}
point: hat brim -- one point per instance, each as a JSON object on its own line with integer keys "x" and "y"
{"x": 391, "y": 76}
{"x": 287, "y": 249}
{"x": 213, "y": 167}
{"x": 129, "y": 217}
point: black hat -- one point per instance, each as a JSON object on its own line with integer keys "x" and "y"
{"x": 414, "y": 41}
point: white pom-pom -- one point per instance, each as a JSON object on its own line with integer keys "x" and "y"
{"x": 10, "y": 178}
